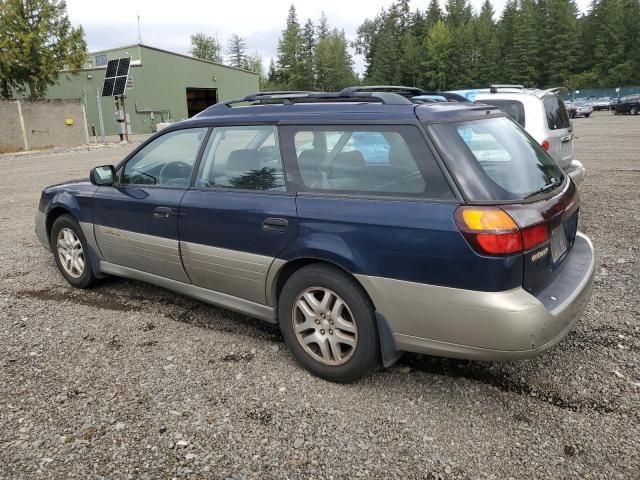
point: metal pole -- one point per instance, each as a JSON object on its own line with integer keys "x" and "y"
{"x": 100, "y": 118}
{"x": 124, "y": 112}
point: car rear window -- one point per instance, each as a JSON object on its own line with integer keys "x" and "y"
{"x": 495, "y": 160}
{"x": 557, "y": 116}
{"x": 513, "y": 108}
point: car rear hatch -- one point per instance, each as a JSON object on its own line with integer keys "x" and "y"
{"x": 518, "y": 202}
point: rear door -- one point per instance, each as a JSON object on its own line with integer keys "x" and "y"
{"x": 238, "y": 216}
{"x": 559, "y": 130}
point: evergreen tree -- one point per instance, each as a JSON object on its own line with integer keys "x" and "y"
{"x": 487, "y": 55}
{"x": 206, "y": 47}
{"x": 562, "y": 29}
{"x": 434, "y": 14}
{"x": 386, "y": 58}
{"x": 289, "y": 48}
{"x": 37, "y": 41}
{"x": 323, "y": 27}
{"x": 307, "y": 81}
{"x": 437, "y": 47}
{"x": 411, "y": 60}
{"x": 237, "y": 51}
{"x": 272, "y": 75}
{"x": 334, "y": 63}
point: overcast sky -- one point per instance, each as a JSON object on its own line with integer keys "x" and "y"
{"x": 168, "y": 25}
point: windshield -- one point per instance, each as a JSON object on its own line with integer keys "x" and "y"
{"x": 495, "y": 160}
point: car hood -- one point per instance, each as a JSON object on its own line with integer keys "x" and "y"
{"x": 79, "y": 184}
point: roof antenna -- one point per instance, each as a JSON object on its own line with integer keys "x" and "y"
{"x": 139, "y": 41}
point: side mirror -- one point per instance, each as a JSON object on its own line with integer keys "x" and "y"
{"x": 103, "y": 176}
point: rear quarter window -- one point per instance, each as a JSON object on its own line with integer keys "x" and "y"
{"x": 370, "y": 160}
{"x": 513, "y": 108}
{"x": 557, "y": 116}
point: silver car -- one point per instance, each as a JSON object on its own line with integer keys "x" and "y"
{"x": 542, "y": 114}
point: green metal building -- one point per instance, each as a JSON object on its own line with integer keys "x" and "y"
{"x": 162, "y": 86}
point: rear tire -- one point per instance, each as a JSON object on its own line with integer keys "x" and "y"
{"x": 329, "y": 324}
{"x": 71, "y": 253}
{"x": 633, "y": 111}
{"x": 587, "y": 115}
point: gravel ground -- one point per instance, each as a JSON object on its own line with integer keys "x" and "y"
{"x": 131, "y": 381}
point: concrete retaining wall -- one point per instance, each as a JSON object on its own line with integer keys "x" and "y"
{"x": 33, "y": 125}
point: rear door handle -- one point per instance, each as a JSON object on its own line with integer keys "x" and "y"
{"x": 275, "y": 225}
{"x": 161, "y": 212}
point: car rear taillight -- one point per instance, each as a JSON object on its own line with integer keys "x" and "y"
{"x": 492, "y": 231}
{"x": 546, "y": 145}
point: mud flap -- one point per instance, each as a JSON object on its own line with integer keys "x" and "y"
{"x": 388, "y": 351}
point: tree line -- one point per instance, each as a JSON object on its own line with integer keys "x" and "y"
{"x": 310, "y": 57}
{"x": 533, "y": 42}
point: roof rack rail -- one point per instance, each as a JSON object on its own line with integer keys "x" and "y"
{"x": 494, "y": 88}
{"x": 407, "y": 92}
{"x": 290, "y": 97}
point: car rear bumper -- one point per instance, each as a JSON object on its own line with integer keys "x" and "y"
{"x": 576, "y": 171}
{"x": 486, "y": 325}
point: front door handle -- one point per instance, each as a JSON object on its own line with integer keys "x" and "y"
{"x": 162, "y": 212}
{"x": 275, "y": 225}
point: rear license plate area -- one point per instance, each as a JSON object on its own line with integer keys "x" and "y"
{"x": 558, "y": 243}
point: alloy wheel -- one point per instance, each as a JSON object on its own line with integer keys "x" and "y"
{"x": 324, "y": 326}
{"x": 70, "y": 252}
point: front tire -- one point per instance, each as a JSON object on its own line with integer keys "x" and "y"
{"x": 633, "y": 111}
{"x": 71, "y": 253}
{"x": 328, "y": 323}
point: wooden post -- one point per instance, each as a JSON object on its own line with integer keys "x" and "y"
{"x": 24, "y": 130}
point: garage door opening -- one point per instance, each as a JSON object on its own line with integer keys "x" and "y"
{"x": 200, "y": 98}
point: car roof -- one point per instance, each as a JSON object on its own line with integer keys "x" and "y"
{"x": 332, "y": 112}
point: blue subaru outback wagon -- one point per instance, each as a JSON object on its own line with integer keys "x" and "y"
{"x": 363, "y": 224}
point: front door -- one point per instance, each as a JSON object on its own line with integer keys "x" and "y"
{"x": 239, "y": 216}
{"x": 136, "y": 221}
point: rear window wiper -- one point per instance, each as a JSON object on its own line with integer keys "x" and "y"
{"x": 546, "y": 188}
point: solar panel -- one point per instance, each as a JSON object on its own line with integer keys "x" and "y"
{"x": 115, "y": 80}
{"x": 120, "y": 86}
{"x": 107, "y": 88}
{"x": 112, "y": 68}
{"x": 123, "y": 67}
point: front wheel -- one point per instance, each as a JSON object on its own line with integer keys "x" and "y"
{"x": 328, "y": 323}
{"x": 587, "y": 115}
{"x": 634, "y": 111}
{"x": 70, "y": 251}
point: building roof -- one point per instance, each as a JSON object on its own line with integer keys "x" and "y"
{"x": 168, "y": 52}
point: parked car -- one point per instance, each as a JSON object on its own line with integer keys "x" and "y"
{"x": 602, "y": 103}
{"x": 542, "y": 114}
{"x": 363, "y": 224}
{"x": 629, "y": 104}
{"x": 579, "y": 108}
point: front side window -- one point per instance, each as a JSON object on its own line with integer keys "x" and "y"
{"x": 557, "y": 116}
{"x": 245, "y": 158}
{"x": 379, "y": 160}
{"x": 494, "y": 159}
{"x": 167, "y": 161}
